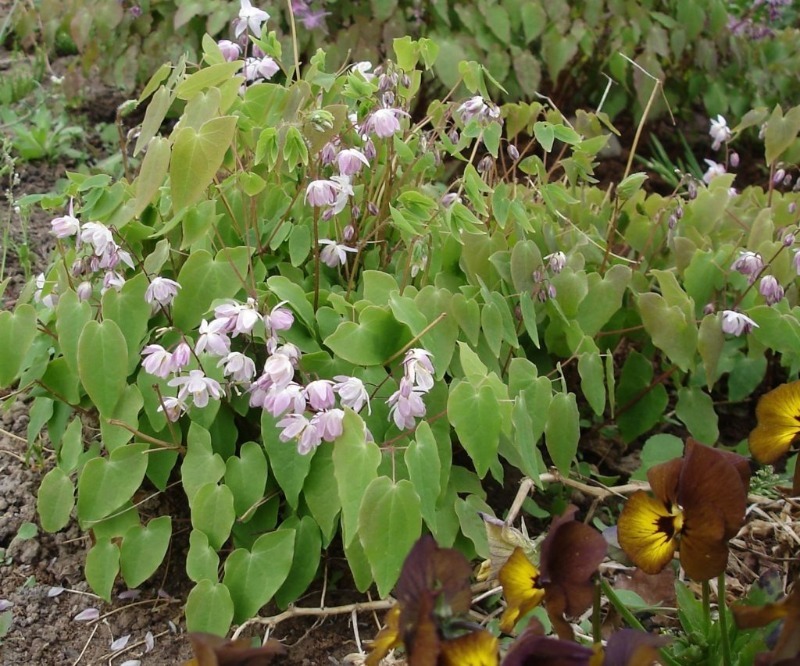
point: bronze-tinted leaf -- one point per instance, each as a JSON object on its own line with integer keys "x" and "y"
{"x": 211, "y": 650}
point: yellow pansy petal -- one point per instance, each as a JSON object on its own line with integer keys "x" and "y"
{"x": 519, "y": 578}
{"x": 778, "y": 419}
{"x": 387, "y": 639}
{"x": 476, "y": 649}
{"x": 646, "y": 531}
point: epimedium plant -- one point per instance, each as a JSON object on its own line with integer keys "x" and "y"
{"x": 327, "y": 320}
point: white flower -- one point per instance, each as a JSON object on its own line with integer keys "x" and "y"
{"x": 419, "y": 369}
{"x": 173, "y": 408}
{"x": 238, "y": 367}
{"x": 343, "y": 190}
{"x": 98, "y": 236}
{"x": 719, "y": 132}
{"x": 556, "y": 261}
{"x": 713, "y": 171}
{"x": 213, "y": 338}
{"x": 198, "y": 386}
{"x": 157, "y": 361}
{"x": 352, "y": 393}
{"x": 333, "y": 254}
{"x": 364, "y": 68}
{"x": 735, "y": 323}
{"x": 279, "y": 369}
{"x": 250, "y": 17}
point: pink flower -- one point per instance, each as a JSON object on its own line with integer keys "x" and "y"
{"x": 198, "y": 386}
{"x": 238, "y": 317}
{"x": 157, "y": 361}
{"x": 279, "y": 369}
{"x": 333, "y": 254}
{"x": 98, "y": 236}
{"x": 735, "y": 323}
{"x": 351, "y": 161}
{"x": 384, "y": 122}
{"x": 321, "y": 193}
{"x": 748, "y": 263}
{"x": 343, "y": 190}
{"x": 297, "y": 426}
{"x": 406, "y": 405}
{"x": 161, "y": 291}
{"x": 213, "y": 338}
{"x": 250, "y": 17}
{"x": 770, "y": 289}
{"x": 319, "y": 394}
{"x": 418, "y": 369}
{"x": 66, "y": 225}
{"x": 113, "y": 255}
{"x": 310, "y": 439}
{"x": 238, "y": 366}
{"x": 84, "y": 290}
{"x": 260, "y": 68}
{"x": 112, "y": 280}
{"x": 230, "y": 50}
{"x": 278, "y": 319}
{"x": 476, "y": 107}
{"x": 279, "y": 399}
{"x": 181, "y": 356}
{"x": 329, "y": 424}
{"x": 293, "y": 425}
{"x": 352, "y": 393}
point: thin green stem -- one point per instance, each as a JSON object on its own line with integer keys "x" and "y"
{"x": 722, "y": 607}
{"x": 706, "y": 602}
{"x": 597, "y": 636}
{"x": 630, "y": 618}
{"x": 295, "y": 46}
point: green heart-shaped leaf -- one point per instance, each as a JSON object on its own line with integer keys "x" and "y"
{"x": 105, "y": 484}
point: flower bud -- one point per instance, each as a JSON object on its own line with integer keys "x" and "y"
{"x": 512, "y": 152}
{"x": 691, "y": 190}
{"x": 321, "y": 120}
{"x": 770, "y": 289}
{"x": 709, "y": 309}
{"x": 454, "y": 136}
{"x": 788, "y": 240}
{"x": 778, "y": 177}
{"x": 84, "y": 291}
{"x": 449, "y": 199}
{"x": 672, "y": 221}
{"x": 486, "y": 164}
{"x": 733, "y": 159}
{"x": 792, "y": 206}
{"x": 349, "y": 232}
{"x": 369, "y": 150}
{"x": 372, "y": 209}
{"x": 679, "y": 212}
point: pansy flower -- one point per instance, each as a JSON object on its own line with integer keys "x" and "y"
{"x": 570, "y": 555}
{"x": 432, "y": 590}
{"x": 698, "y": 505}
{"x": 627, "y": 647}
{"x": 777, "y": 426}
{"x": 211, "y": 650}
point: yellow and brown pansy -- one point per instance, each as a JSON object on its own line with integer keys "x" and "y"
{"x": 777, "y": 426}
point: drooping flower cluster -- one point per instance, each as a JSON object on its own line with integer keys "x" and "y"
{"x": 98, "y": 254}
{"x": 406, "y": 404}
